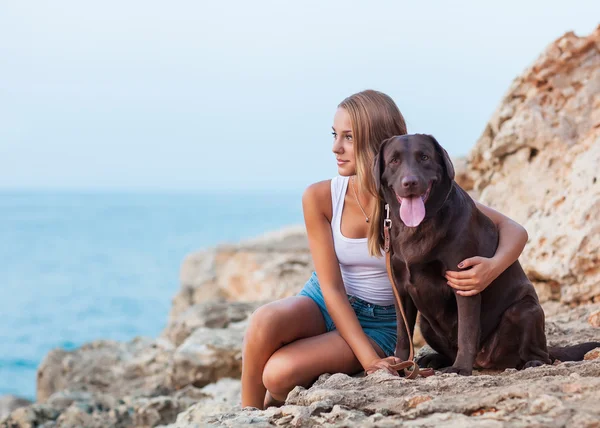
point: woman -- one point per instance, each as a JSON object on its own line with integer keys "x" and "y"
{"x": 344, "y": 318}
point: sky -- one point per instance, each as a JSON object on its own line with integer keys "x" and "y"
{"x": 240, "y": 95}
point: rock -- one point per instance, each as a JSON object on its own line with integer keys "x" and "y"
{"x": 221, "y": 397}
{"x": 534, "y": 395}
{"x": 273, "y": 266}
{"x": 212, "y": 314}
{"x": 207, "y": 356}
{"x": 462, "y": 174}
{"x": 566, "y": 326}
{"x": 145, "y": 367}
{"x": 138, "y": 367}
{"x": 537, "y": 162}
{"x": 9, "y": 403}
{"x": 68, "y": 409}
{"x": 30, "y": 416}
{"x": 594, "y": 319}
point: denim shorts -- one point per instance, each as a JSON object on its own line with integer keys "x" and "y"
{"x": 378, "y": 322}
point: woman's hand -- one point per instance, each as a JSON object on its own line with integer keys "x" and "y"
{"x": 472, "y": 281}
{"x": 383, "y": 364}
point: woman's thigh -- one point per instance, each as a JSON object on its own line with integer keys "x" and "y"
{"x": 303, "y": 361}
{"x": 284, "y": 321}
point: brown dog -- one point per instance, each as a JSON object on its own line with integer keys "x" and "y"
{"x": 436, "y": 225}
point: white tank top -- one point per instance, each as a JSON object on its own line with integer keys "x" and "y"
{"x": 364, "y": 276}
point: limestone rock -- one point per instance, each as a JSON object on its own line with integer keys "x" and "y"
{"x": 537, "y": 162}
{"x": 137, "y": 367}
{"x": 211, "y": 314}
{"x": 222, "y": 396}
{"x": 9, "y": 403}
{"x": 594, "y": 319}
{"x": 538, "y": 396}
{"x": 207, "y": 356}
{"x": 272, "y": 266}
{"x": 593, "y": 354}
{"x": 70, "y": 409}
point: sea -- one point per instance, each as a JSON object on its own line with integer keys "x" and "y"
{"x": 80, "y": 266}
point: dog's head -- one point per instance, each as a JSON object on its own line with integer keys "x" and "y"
{"x": 414, "y": 175}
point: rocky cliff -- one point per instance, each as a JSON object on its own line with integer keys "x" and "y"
{"x": 538, "y": 161}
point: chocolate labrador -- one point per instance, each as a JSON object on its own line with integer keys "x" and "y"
{"x": 436, "y": 225}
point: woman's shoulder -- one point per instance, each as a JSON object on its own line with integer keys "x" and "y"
{"x": 317, "y": 196}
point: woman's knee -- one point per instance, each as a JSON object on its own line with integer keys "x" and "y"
{"x": 283, "y": 321}
{"x": 279, "y": 375}
{"x": 263, "y": 327}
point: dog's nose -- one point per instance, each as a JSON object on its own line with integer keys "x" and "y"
{"x": 409, "y": 181}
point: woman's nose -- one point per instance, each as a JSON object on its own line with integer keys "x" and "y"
{"x": 337, "y": 146}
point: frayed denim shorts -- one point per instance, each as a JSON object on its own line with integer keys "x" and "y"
{"x": 378, "y": 322}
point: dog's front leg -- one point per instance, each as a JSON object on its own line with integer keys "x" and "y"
{"x": 403, "y": 337}
{"x": 469, "y": 311}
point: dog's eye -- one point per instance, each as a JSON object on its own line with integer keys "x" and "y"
{"x": 424, "y": 157}
{"x": 394, "y": 161}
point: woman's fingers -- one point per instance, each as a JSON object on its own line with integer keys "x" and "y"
{"x": 468, "y": 293}
{"x": 457, "y": 283}
{"x": 459, "y": 275}
{"x": 470, "y": 262}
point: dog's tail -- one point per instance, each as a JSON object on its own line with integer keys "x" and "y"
{"x": 571, "y": 353}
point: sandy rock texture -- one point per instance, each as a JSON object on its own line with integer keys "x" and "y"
{"x": 145, "y": 382}
{"x": 538, "y": 161}
{"x": 273, "y": 266}
{"x": 565, "y": 394}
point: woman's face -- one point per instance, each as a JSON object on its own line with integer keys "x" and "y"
{"x": 343, "y": 144}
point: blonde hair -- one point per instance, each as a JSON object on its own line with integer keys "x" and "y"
{"x": 375, "y": 117}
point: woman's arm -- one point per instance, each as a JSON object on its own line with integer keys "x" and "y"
{"x": 512, "y": 240}
{"x": 318, "y": 228}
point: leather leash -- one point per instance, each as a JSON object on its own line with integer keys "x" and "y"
{"x": 409, "y": 367}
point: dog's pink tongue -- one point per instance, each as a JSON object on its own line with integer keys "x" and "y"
{"x": 412, "y": 211}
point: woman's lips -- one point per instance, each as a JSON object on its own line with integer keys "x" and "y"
{"x": 341, "y": 162}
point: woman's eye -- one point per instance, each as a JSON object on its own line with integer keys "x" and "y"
{"x": 424, "y": 157}
{"x": 348, "y": 137}
{"x": 334, "y": 134}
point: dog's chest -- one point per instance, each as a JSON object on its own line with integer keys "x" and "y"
{"x": 424, "y": 282}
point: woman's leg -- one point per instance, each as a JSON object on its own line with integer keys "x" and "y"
{"x": 271, "y": 327}
{"x": 303, "y": 361}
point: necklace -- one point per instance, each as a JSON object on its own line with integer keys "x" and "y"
{"x": 359, "y": 205}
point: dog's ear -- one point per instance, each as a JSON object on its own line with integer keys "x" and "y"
{"x": 444, "y": 155}
{"x": 378, "y": 164}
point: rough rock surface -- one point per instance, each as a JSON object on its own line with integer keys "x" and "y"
{"x": 9, "y": 403}
{"x": 207, "y": 355}
{"x": 538, "y": 162}
{"x": 562, "y": 395}
{"x": 211, "y": 314}
{"x": 138, "y": 368}
{"x": 565, "y": 394}
{"x": 70, "y": 409}
{"x": 267, "y": 268}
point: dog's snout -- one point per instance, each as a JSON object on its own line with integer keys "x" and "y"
{"x": 409, "y": 181}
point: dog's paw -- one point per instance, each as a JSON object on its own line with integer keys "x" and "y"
{"x": 532, "y": 363}
{"x": 434, "y": 360}
{"x": 458, "y": 370}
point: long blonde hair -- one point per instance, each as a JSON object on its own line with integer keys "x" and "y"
{"x": 375, "y": 117}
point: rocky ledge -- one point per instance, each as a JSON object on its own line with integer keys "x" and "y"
{"x": 537, "y": 161}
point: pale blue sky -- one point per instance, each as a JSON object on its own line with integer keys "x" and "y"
{"x": 241, "y": 95}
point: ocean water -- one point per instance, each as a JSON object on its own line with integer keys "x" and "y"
{"x": 75, "y": 266}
